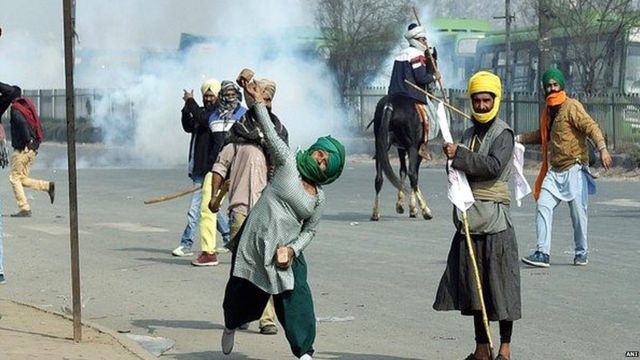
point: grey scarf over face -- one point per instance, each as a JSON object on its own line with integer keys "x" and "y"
{"x": 227, "y": 107}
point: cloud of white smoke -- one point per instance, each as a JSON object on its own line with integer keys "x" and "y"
{"x": 128, "y": 49}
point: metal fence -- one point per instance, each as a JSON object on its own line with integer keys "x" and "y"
{"x": 52, "y": 104}
{"x": 617, "y": 114}
{"x": 94, "y": 109}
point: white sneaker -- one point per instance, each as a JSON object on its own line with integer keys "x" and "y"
{"x": 222, "y": 250}
{"x": 227, "y": 341}
{"x": 306, "y": 357}
{"x": 182, "y": 251}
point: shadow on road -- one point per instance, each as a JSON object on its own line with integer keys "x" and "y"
{"x": 318, "y": 356}
{"x": 152, "y": 324}
{"x": 620, "y": 213}
{"x": 352, "y": 356}
{"x": 347, "y": 216}
{"x": 212, "y": 355}
{"x": 149, "y": 250}
{"x": 365, "y": 217}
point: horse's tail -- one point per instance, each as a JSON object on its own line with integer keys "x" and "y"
{"x": 382, "y": 148}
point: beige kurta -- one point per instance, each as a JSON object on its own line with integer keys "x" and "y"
{"x": 246, "y": 166}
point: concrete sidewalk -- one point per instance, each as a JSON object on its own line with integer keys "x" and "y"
{"x": 28, "y": 332}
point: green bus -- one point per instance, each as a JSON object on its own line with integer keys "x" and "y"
{"x": 619, "y": 73}
{"x": 456, "y": 41}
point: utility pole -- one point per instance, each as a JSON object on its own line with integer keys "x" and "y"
{"x": 508, "y": 18}
{"x": 544, "y": 41}
{"x": 68, "y": 9}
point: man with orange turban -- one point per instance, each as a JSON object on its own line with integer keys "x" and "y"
{"x": 564, "y": 127}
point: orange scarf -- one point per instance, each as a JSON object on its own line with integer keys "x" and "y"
{"x": 552, "y": 100}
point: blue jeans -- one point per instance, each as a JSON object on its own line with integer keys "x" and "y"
{"x": 544, "y": 221}
{"x": 193, "y": 215}
{"x": 222, "y": 225}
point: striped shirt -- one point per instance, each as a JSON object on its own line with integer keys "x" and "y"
{"x": 285, "y": 215}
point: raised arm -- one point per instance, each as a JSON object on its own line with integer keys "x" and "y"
{"x": 277, "y": 147}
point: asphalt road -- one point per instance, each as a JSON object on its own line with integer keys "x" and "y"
{"x": 373, "y": 282}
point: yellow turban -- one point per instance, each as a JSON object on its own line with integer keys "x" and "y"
{"x": 211, "y": 84}
{"x": 485, "y": 82}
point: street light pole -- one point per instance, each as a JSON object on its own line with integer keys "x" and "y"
{"x": 508, "y": 18}
{"x": 68, "y": 9}
{"x": 544, "y": 42}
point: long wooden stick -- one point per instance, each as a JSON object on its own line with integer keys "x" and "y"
{"x": 172, "y": 196}
{"x": 450, "y": 107}
{"x": 476, "y": 273}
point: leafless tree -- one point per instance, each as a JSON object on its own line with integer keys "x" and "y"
{"x": 359, "y": 34}
{"x": 596, "y": 30}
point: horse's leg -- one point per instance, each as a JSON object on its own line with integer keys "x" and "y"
{"x": 426, "y": 212}
{"x": 414, "y": 168}
{"x": 375, "y": 216}
{"x": 414, "y": 159}
{"x": 402, "y": 154}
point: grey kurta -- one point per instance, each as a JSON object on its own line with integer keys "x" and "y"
{"x": 496, "y": 253}
{"x": 285, "y": 215}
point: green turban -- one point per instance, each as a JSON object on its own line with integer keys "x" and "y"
{"x": 309, "y": 168}
{"x": 553, "y": 74}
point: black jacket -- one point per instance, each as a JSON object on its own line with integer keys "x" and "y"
{"x": 7, "y": 94}
{"x": 247, "y": 131}
{"x": 195, "y": 120}
{"x": 22, "y": 135}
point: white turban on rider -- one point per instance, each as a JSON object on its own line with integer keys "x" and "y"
{"x": 412, "y": 36}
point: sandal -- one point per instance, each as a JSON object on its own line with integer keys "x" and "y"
{"x": 500, "y": 357}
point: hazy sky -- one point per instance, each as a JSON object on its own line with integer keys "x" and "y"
{"x": 31, "y": 55}
{"x": 31, "y": 47}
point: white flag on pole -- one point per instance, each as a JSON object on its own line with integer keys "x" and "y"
{"x": 459, "y": 191}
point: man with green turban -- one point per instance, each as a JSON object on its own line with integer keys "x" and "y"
{"x": 564, "y": 128}
{"x": 331, "y": 154}
{"x": 268, "y": 255}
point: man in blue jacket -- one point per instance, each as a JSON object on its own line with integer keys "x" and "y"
{"x": 411, "y": 64}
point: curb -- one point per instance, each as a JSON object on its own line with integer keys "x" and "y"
{"x": 128, "y": 344}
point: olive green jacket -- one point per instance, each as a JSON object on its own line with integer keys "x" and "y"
{"x": 567, "y": 136}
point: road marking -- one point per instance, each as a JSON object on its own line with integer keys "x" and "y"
{"x": 621, "y": 202}
{"x": 136, "y": 228}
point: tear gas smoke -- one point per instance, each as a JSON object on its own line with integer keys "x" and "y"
{"x": 130, "y": 49}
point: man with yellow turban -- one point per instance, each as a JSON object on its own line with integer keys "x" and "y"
{"x": 485, "y": 157}
{"x": 195, "y": 120}
{"x": 564, "y": 127}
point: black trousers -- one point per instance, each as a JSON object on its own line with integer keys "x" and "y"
{"x": 506, "y": 329}
{"x": 244, "y": 302}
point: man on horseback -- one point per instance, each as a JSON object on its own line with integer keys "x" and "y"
{"x": 414, "y": 64}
